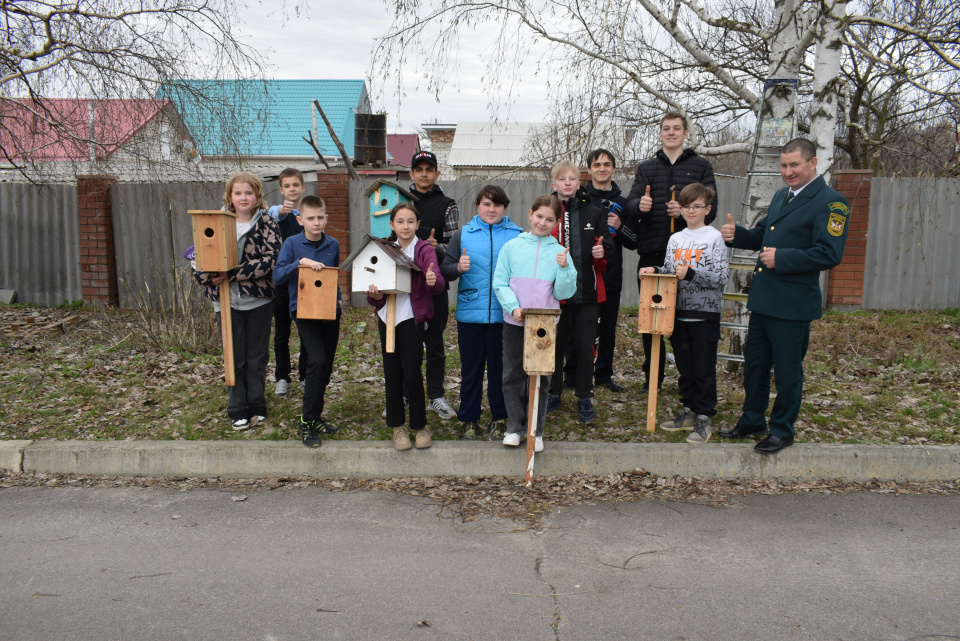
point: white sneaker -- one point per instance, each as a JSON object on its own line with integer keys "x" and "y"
{"x": 241, "y": 424}
{"x": 538, "y": 444}
{"x": 283, "y": 386}
{"x": 439, "y": 405}
{"x": 512, "y": 439}
{"x": 257, "y": 419}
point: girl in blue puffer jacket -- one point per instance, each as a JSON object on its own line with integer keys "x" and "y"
{"x": 471, "y": 257}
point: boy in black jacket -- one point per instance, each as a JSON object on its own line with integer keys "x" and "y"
{"x": 582, "y": 231}
{"x": 652, "y": 207}
{"x": 439, "y": 218}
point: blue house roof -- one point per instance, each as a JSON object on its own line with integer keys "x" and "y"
{"x": 267, "y": 118}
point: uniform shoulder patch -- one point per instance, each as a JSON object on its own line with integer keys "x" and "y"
{"x": 839, "y": 206}
{"x": 836, "y": 223}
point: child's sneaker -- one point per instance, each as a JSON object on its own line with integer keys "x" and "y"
{"x": 495, "y": 429}
{"x": 538, "y": 444}
{"x": 401, "y": 439}
{"x": 326, "y": 428}
{"x": 685, "y": 421}
{"x": 553, "y": 402}
{"x": 439, "y": 405}
{"x": 423, "y": 440}
{"x": 283, "y": 387}
{"x": 309, "y": 435}
{"x": 511, "y": 439}
{"x": 702, "y": 431}
{"x": 241, "y": 424}
{"x": 470, "y": 431}
{"x": 259, "y": 418}
{"x": 585, "y": 410}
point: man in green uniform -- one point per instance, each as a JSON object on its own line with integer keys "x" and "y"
{"x": 804, "y": 233}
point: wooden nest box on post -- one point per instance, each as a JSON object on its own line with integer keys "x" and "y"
{"x": 215, "y": 250}
{"x": 380, "y": 262}
{"x": 539, "y": 359}
{"x": 317, "y": 293}
{"x": 658, "y": 304}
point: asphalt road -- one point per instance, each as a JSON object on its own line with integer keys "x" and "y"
{"x": 307, "y": 563}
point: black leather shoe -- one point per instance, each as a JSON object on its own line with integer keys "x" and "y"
{"x": 741, "y": 432}
{"x": 772, "y": 444}
{"x": 612, "y": 386}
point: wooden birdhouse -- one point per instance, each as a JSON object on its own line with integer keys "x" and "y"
{"x": 658, "y": 303}
{"x": 214, "y": 240}
{"x": 382, "y": 263}
{"x": 384, "y": 195}
{"x": 317, "y": 293}
{"x": 539, "y": 341}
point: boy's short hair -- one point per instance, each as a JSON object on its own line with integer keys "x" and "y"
{"x": 806, "y": 148}
{"x": 495, "y": 193}
{"x": 694, "y": 192}
{"x": 563, "y": 168}
{"x": 596, "y": 153}
{"x": 313, "y": 202}
{"x": 290, "y": 172}
{"x": 250, "y": 179}
{"x": 548, "y": 200}
{"x": 673, "y": 115}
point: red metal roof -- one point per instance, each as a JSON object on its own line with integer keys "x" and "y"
{"x": 59, "y": 128}
{"x": 402, "y": 147}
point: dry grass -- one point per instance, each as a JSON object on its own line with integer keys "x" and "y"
{"x": 872, "y": 377}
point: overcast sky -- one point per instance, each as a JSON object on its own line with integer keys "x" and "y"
{"x": 335, "y": 41}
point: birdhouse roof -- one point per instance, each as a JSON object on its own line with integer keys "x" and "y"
{"x": 381, "y": 183}
{"x": 391, "y": 249}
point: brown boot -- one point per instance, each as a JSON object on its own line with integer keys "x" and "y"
{"x": 423, "y": 439}
{"x": 401, "y": 439}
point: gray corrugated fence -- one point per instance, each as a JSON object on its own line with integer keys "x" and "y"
{"x": 39, "y": 243}
{"x": 912, "y": 260}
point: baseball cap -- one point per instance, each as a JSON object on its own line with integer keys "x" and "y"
{"x": 422, "y": 156}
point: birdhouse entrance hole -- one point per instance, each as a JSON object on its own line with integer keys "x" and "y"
{"x": 657, "y": 298}
{"x": 383, "y": 202}
{"x": 541, "y": 332}
{"x": 373, "y": 260}
{"x": 317, "y": 283}
{"x": 208, "y": 232}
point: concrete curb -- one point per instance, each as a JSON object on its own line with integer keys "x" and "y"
{"x": 378, "y": 459}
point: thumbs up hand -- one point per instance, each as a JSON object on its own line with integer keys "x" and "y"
{"x": 728, "y": 230}
{"x": 597, "y": 251}
{"x": 430, "y": 276}
{"x": 464, "y": 264}
{"x": 562, "y": 258}
{"x": 431, "y": 239}
{"x": 646, "y": 201}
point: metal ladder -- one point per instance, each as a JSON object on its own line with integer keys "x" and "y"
{"x": 773, "y": 130}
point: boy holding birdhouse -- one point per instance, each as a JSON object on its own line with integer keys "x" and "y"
{"x": 315, "y": 249}
{"x": 698, "y": 257}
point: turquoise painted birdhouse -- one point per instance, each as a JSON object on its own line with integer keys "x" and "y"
{"x": 384, "y": 195}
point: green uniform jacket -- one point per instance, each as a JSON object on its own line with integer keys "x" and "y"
{"x": 809, "y": 233}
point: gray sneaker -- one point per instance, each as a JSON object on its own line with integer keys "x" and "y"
{"x": 702, "y": 431}
{"x": 685, "y": 421}
{"x": 439, "y": 405}
{"x": 283, "y": 387}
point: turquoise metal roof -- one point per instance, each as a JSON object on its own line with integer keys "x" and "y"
{"x": 267, "y": 118}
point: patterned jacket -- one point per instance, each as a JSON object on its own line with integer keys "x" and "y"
{"x": 254, "y": 274}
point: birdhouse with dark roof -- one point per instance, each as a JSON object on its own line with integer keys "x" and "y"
{"x": 384, "y": 195}
{"x": 380, "y": 262}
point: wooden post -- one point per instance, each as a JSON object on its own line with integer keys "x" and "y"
{"x": 532, "y": 416}
{"x": 391, "y": 322}
{"x": 658, "y": 300}
{"x": 226, "y": 329}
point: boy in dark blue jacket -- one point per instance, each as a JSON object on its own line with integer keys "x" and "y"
{"x": 315, "y": 249}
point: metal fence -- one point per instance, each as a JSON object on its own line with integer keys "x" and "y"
{"x": 912, "y": 260}
{"x": 39, "y": 243}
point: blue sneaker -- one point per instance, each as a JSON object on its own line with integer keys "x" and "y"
{"x": 553, "y": 402}
{"x": 585, "y": 410}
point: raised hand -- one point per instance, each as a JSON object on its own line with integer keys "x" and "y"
{"x": 728, "y": 230}
{"x": 287, "y": 207}
{"x": 682, "y": 271}
{"x": 430, "y": 277}
{"x": 646, "y": 201}
{"x": 562, "y": 258}
{"x": 432, "y": 240}
{"x": 463, "y": 265}
{"x": 597, "y": 251}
